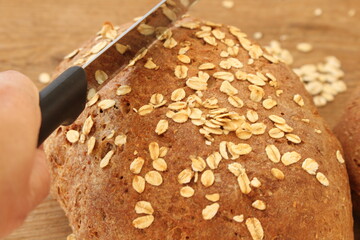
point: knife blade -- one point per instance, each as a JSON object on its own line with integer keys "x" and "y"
{"x": 65, "y": 98}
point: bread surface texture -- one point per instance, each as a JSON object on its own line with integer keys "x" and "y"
{"x": 348, "y": 132}
{"x": 203, "y": 137}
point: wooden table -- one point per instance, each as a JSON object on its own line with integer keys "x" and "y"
{"x": 36, "y": 34}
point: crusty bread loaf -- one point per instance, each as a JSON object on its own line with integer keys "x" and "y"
{"x": 348, "y": 132}
{"x": 204, "y": 137}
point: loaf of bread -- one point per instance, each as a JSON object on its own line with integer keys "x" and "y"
{"x": 348, "y": 132}
{"x": 204, "y": 136}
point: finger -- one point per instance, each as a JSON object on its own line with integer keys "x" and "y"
{"x": 19, "y": 125}
{"x": 39, "y": 183}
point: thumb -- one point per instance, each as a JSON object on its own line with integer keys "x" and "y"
{"x": 24, "y": 179}
{"x": 39, "y": 182}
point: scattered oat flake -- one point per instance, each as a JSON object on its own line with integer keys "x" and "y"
{"x": 277, "y": 119}
{"x": 144, "y": 207}
{"x": 235, "y": 101}
{"x": 181, "y": 71}
{"x": 256, "y": 93}
{"x": 180, "y": 117}
{"x": 284, "y": 127}
{"x": 72, "y": 136}
{"x": 254, "y": 227}
{"x": 121, "y": 48}
{"x": 273, "y": 153}
{"x": 207, "y": 66}
{"x": 170, "y": 43}
{"x": 318, "y": 12}
{"x": 213, "y": 160}
{"x": 276, "y": 133}
{"x": 71, "y": 237}
{"x": 44, "y": 78}
{"x": 299, "y": 100}
{"x": 163, "y": 151}
{"x": 90, "y": 145}
{"x": 146, "y": 29}
{"x": 82, "y": 138}
{"x": 293, "y": 138}
{"x": 210, "y": 211}
{"x": 136, "y": 165}
{"x": 310, "y": 166}
{"x": 143, "y": 222}
{"x": 244, "y": 182}
{"x": 105, "y": 161}
{"x": 162, "y": 127}
{"x": 339, "y": 157}
{"x": 93, "y": 100}
{"x": 154, "y": 178}
{"x": 123, "y": 90}
{"x": 289, "y": 158}
{"x": 269, "y": 103}
{"x": 210, "y": 40}
{"x": 187, "y": 192}
{"x": 91, "y": 93}
{"x": 277, "y": 173}
{"x": 227, "y": 76}
{"x": 228, "y": 4}
{"x": 146, "y": 109}
{"x": 190, "y": 25}
{"x": 322, "y": 179}
{"x": 239, "y": 218}
{"x": 101, "y": 76}
{"x": 228, "y": 89}
{"x": 185, "y": 176}
{"x": 255, "y": 79}
{"x": 98, "y": 47}
{"x": 138, "y": 184}
{"x": 255, "y": 182}
{"x": 178, "y": 94}
{"x": 72, "y": 54}
{"x": 197, "y": 164}
{"x": 184, "y": 59}
{"x": 159, "y": 165}
{"x": 197, "y": 83}
{"x": 150, "y": 64}
{"x": 218, "y": 34}
{"x": 88, "y": 124}
{"x": 207, "y": 178}
{"x": 106, "y": 104}
{"x": 258, "y": 35}
{"x": 120, "y": 140}
{"x": 252, "y": 116}
{"x": 169, "y": 13}
{"x": 259, "y": 205}
{"x": 154, "y": 150}
{"x": 304, "y": 47}
{"x": 213, "y": 197}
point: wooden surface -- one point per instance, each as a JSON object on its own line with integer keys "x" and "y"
{"x": 36, "y": 34}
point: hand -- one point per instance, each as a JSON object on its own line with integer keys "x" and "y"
{"x": 24, "y": 177}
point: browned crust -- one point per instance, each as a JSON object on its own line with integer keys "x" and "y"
{"x": 100, "y": 202}
{"x": 348, "y": 132}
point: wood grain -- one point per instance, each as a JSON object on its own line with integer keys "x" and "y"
{"x": 35, "y": 35}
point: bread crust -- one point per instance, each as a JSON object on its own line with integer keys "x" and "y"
{"x": 348, "y": 132}
{"x": 100, "y": 202}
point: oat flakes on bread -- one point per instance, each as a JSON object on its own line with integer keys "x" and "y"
{"x": 204, "y": 137}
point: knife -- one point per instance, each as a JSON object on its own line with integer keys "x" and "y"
{"x": 65, "y": 98}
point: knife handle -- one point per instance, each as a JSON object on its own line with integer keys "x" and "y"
{"x": 62, "y": 101}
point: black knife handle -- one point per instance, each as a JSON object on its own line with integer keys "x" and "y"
{"x": 62, "y": 101}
